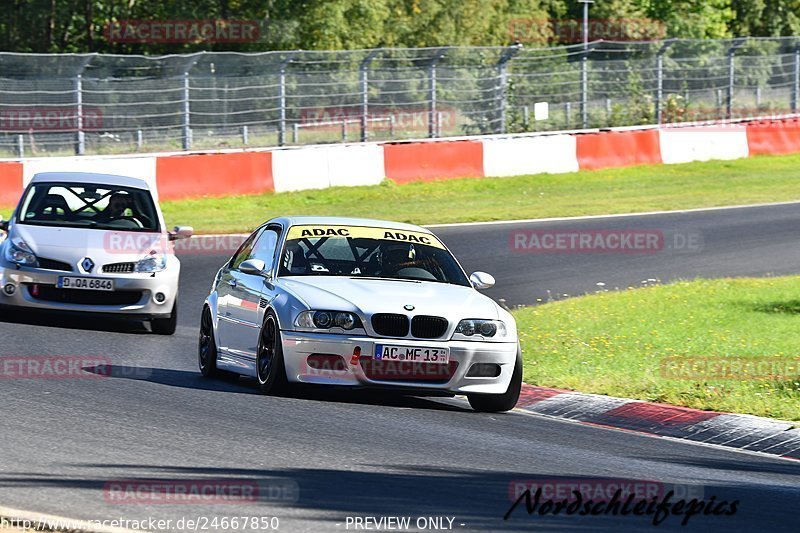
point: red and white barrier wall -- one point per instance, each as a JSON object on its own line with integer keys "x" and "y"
{"x": 187, "y": 175}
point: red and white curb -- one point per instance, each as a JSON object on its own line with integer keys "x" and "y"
{"x": 745, "y": 432}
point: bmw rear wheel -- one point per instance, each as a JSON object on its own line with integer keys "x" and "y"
{"x": 207, "y": 346}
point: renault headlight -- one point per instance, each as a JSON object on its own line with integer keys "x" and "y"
{"x": 481, "y": 330}
{"x": 20, "y": 253}
{"x": 151, "y": 263}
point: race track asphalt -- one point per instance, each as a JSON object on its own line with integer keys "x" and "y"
{"x": 331, "y": 454}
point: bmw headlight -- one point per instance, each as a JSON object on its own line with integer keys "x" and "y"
{"x": 478, "y": 330}
{"x": 20, "y": 253}
{"x": 328, "y": 320}
{"x": 151, "y": 263}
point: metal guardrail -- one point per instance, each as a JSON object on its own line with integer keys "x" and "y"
{"x": 59, "y": 104}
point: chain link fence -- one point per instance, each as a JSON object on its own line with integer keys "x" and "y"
{"x": 64, "y": 104}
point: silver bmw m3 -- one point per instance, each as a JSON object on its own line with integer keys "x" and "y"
{"x": 362, "y": 303}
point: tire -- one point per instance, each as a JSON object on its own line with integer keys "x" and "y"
{"x": 166, "y": 326}
{"x": 270, "y": 368}
{"x": 500, "y": 403}
{"x": 207, "y": 346}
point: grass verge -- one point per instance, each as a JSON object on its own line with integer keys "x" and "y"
{"x": 724, "y": 345}
{"x": 633, "y": 189}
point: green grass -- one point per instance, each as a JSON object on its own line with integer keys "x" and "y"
{"x": 629, "y": 343}
{"x": 634, "y": 189}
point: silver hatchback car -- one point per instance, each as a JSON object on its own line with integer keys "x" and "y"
{"x": 92, "y": 243}
{"x": 356, "y": 302}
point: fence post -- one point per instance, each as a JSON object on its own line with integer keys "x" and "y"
{"x": 187, "y": 123}
{"x": 731, "y": 75}
{"x": 660, "y": 81}
{"x": 282, "y": 103}
{"x": 432, "y": 92}
{"x": 364, "y": 78}
{"x": 139, "y": 139}
{"x": 432, "y": 99}
{"x": 568, "y": 114}
{"x": 21, "y": 145}
{"x": 502, "y": 75}
{"x": 80, "y": 140}
{"x": 245, "y": 136}
{"x": 796, "y": 85}
{"x": 585, "y": 86}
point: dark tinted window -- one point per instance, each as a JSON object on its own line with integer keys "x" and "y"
{"x": 264, "y": 248}
{"x": 81, "y": 205}
{"x": 244, "y": 251}
{"x": 371, "y": 256}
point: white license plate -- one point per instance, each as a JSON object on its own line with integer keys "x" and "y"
{"x": 415, "y": 354}
{"x": 87, "y": 284}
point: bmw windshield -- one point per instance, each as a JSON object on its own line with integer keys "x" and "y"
{"x": 358, "y": 251}
{"x": 82, "y": 205}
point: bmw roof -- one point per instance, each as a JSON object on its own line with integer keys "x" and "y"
{"x": 346, "y": 221}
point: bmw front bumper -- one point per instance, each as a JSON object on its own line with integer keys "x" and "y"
{"x": 360, "y": 369}
{"x": 133, "y": 295}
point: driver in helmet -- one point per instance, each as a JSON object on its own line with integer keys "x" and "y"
{"x": 118, "y": 203}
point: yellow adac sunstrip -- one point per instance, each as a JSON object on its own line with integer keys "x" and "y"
{"x": 362, "y": 232}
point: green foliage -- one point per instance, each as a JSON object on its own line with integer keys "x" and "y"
{"x": 78, "y": 25}
{"x": 766, "y": 18}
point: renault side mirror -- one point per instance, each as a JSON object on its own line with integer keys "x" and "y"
{"x": 181, "y": 232}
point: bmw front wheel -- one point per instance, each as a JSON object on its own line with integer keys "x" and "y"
{"x": 499, "y": 403}
{"x": 270, "y": 370}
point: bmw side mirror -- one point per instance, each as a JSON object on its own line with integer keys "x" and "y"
{"x": 253, "y": 266}
{"x": 481, "y": 280}
{"x": 181, "y": 232}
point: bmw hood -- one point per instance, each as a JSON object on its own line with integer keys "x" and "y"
{"x": 369, "y": 296}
